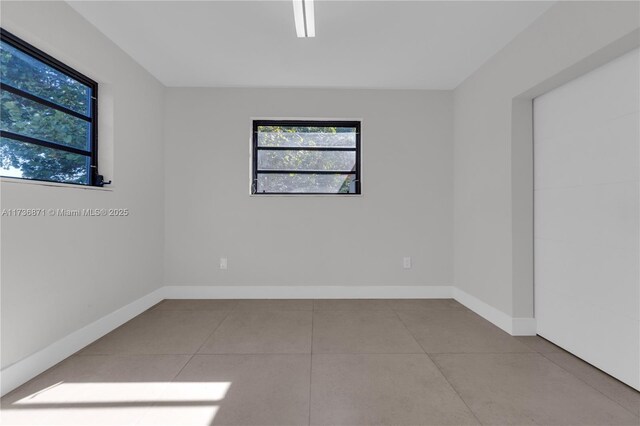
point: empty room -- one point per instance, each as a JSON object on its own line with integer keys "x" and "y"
{"x": 319, "y": 212}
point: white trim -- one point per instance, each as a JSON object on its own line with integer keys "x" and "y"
{"x": 486, "y": 311}
{"x": 308, "y": 292}
{"x": 513, "y": 326}
{"x": 24, "y": 181}
{"x": 524, "y": 327}
{"x": 20, "y": 372}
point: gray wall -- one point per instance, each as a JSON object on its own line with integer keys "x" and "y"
{"x": 53, "y": 283}
{"x": 405, "y": 208}
{"x": 60, "y": 274}
{"x": 493, "y": 184}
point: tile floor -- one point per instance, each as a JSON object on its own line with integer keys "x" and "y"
{"x": 319, "y": 362}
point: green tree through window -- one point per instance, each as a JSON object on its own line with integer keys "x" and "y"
{"x": 300, "y": 157}
{"x": 46, "y": 116}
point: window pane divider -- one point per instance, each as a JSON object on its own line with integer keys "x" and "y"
{"x": 42, "y": 101}
{"x": 305, "y": 148}
{"x": 53, "y": 145}
{"x": 307, "y": 172}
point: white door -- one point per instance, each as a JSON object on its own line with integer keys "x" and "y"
{"x": 587, "y": 217}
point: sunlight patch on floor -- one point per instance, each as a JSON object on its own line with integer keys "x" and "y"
{"x": 115, "y": 402}
{"x": 128, "y": 393}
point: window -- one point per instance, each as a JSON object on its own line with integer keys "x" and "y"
{"x": 306, "y": 157}
{"x": 48, "y": 117}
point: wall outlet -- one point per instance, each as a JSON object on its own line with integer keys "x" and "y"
{"x": 406, "y": 262}
{"x": 223, "y": 263}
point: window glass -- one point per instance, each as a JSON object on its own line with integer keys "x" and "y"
{"x": 306, "y": 157}
{"x": 47, "y": 117}
{"x": 35, "y": 77}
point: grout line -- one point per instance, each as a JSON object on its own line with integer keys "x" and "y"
{"x": 214, "y": 330}
{"x": 194, "y": 354}
{"x": 210, "y": 354}
{"x": 200, "y": 347}
{"x": 439, "y": 370}
{"x": 587, "y": 383}
{"x": 409, "y": 331}
{"x": 531, "y": 352}
{"x": 422, "y": 352}
{"x": 532, "y": 346}
{"x": 454, "y": 389}
{"x": 79, "y": 352}
{"x": 369, "y": 353}
{"x": 316, "y": 353}
{"x": 192, "y": 310}
{"x": 155, "y": 404}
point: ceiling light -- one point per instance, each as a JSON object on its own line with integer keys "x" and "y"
{"x": 305, "y": 18}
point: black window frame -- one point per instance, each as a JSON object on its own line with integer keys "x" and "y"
{"x": 52, "y": 62}
{"x": 306, "y": 123}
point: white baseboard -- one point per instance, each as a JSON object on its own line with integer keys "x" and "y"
{"x": 524, "y": 327}
{"x": 308, "y": 292}
{"x": 513, "y": 326}
{"x": 22, "y": 371}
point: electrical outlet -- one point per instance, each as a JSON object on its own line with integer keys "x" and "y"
{"x": 406, "y": 263}
{"x": 223, "y": 263}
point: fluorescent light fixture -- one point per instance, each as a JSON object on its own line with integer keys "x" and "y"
{"x": 310, "y": 18}
{"x": 305, "y": 18}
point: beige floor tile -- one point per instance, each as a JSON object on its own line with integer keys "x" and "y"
{"x": 524, "y": 389}
{"x": 367, "y": 369}
{"x": 538, "y": 344}
{"x": 418, "y": 304}
{"x": 98, "y": 389}
{"x": 197, "y": 304}
{"x": 160, "y": 332}
{"x": 255, "y": 332}
{"x": 351, "y": 304}
{"x": 614, "y": 389}
{"x": 361, "y": 332}
{"x": 241, "y": 390}
{"x": 368, "y": 389}
{"x": 276, "y": 304}
{"x": 454, "y": 330}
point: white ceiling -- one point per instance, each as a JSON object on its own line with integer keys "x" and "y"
{"x": 358, "y": 44}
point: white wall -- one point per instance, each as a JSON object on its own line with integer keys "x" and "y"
{"x": 60, "y": 274}
{"x": 493, "y": 221}
{"x": 587, "y": 217}
{"x": 405, "y": 208}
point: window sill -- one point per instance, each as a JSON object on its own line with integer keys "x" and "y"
{"x": 19, "y": 181}
{"x": 294, "y": 195}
